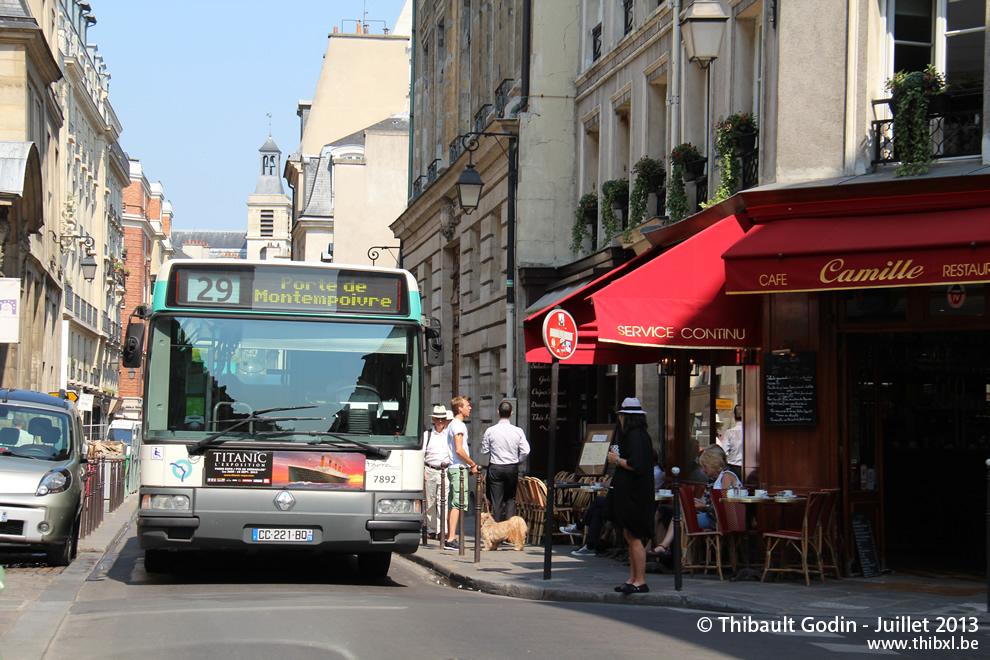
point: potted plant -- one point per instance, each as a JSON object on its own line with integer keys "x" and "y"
{"x": 729, "y": 137}
{"x": 585, "y": 217}
{"x": 650, "y": 176}
{"x": 911, "y": 93}
{"x": 680, "y": 156}
{"x": 615, "y": 193}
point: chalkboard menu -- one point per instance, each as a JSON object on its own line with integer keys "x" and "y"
{"x": 865, "y": 547}
{"x": 789, "y": 390}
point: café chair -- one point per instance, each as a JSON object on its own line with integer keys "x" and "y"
{"x": 731, "y": 518}
{"x": 695, "y": 541}
{"x": 802, "y": 540}
{"x": 828, "y": 533}
{"x": 561, "y": 514}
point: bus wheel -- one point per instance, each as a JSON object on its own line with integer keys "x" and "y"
{"x": 159, "y": 561}
{"x": 374, "y": 565}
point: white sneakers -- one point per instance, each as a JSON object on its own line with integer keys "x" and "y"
{"x": 571, "y": 529}
{"x": 584, "y": 551}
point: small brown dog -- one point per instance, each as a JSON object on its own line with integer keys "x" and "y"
{"x": 512, "y": 530}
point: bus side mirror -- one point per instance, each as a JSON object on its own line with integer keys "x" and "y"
{"x": 134, "y": 340}
{"x": 434, "y": 341}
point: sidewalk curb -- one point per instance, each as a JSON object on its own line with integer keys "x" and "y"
{"x": 533, "y": 592}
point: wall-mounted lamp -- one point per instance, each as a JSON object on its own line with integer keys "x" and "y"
{"x": 131, "y": 374}
{"x": 665, "y": 367}
{"x": 702, "y": 27}
{"x": 695, "y": 368}
{"x": 89, "y": 266}
{"x": 67, "y": 241}
{"x": 114, "y": 364}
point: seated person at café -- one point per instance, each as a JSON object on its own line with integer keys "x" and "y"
{"x": 593, "y": 520}
{"x": 713, "y": 463}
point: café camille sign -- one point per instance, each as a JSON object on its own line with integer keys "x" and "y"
{"x": 853, "y": 272}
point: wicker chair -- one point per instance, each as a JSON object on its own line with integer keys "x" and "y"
{"x": 695, "y": 541}
{"x": 802, "y": 540}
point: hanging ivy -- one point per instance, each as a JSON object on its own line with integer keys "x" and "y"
{"x": 581, "y": 231}
{"x": 612, "y": 190}
{"x": 645, "y": 169}
{"x": 911, "y": 93}
{"x": 680, "y": 156}
{"x": 727, "y": 134}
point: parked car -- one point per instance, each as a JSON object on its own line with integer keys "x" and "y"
{"x": 42, "y": 474}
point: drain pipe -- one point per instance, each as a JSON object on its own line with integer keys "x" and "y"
{"x": 675, "y": 76}
{"x": 510, "y": 229}
{"x": 412, "y": 99}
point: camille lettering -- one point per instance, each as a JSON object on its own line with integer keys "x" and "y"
{"x": 835, "y": 271}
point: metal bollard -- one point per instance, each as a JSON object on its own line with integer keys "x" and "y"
{"x": 676, "y": 522}
{"x": 477, "y": 519}
{"x": 442, "y": 507}
{"x": 426, "y": 510}
{"x": 460, "y": 518}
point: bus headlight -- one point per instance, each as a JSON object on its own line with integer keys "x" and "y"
{"x": 54, "y": 482}
{"x": 165, "y": 502}
{"x": 399, "y": 506}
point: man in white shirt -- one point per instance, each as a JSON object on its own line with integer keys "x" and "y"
{"x": 507, "y": 446}
{"x": 732, "y": 443}
{"x": 437, "y": 458}
{"x": 460, "y": 460}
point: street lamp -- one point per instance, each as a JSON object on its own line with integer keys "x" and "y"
{"x": 702, "y": 26}
{"x": 88, "y": 265}
{"x": 469, "y": 186}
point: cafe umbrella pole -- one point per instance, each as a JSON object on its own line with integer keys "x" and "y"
{"x": 548, "y": 514}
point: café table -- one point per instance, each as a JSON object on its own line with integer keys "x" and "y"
{"x": 663, "y": 497}
{"x": 762, "y": 524}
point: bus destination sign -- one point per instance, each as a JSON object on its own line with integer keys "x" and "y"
{"x": 293, "y": 289}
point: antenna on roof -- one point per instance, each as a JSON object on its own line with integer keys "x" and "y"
{"x": 269, "y": 115}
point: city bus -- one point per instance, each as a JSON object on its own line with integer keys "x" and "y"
{"x": 283, "y": 410}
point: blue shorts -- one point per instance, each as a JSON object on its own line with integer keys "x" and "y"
{"x": 704, "y": 522}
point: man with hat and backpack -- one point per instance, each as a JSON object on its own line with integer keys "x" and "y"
{"x": 436, "y": 460}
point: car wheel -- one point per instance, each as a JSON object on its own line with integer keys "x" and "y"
{"x": 374, "y": 565}
{"x": 64, "y": 553}
{"x": 159, "y": 561}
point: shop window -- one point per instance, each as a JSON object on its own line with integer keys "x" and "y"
{"x": 956, "y": 300}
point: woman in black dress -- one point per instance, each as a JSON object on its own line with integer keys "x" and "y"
{"x": 632, "y": 491}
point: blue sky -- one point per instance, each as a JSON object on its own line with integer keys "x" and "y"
{"x": 192, "y": 81}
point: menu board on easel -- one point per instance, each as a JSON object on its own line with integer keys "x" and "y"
{"x": 790, "y": 390}
{"x": 597, "y": 440}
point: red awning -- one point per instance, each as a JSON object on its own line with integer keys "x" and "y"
{"x": 678, "y": 300}
{"x": 589, "y": 349}
{"x": 820, "y": 254}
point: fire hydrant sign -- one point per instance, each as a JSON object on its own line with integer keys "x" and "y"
{"x": 560, "y": 334}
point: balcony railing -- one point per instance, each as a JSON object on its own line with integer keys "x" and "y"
{"x": 955, "y": 131}
{"x": 502, "y": 97}
{"x": 431, "y": 172}
{"x": 418, "y": 186}
{"x": 480, "y": 122}
{"x": 750, "y": 168}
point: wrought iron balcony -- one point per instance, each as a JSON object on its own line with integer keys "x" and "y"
{"x": 431, "y": 172}
{"x": 454, "y": 151}
{"x": 956, "y": 123}
{"x": 418, "y": 186}
{"x": 502, "y": 97}
{"x": 480, "y": 124}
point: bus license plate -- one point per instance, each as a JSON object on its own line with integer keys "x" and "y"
{"x": 282, "y": 535}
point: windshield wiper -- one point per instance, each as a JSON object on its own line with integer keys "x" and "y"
{"x": 369, "y": 449}
{"x": 256, "y": 416}
{"x": 7, "y": 452}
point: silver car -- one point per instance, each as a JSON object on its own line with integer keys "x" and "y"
{"x": 42, "y": 474}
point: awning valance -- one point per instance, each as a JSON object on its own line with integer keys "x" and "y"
{"x": 678, "y": 299}
{"x": 861, "y": 252}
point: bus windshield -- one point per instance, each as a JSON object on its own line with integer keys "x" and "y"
{"x": 358, "y": 378}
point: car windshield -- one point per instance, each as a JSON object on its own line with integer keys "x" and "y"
{"x": 33, "y": 433}
{"x": 121, "y": 435}
{"x": 207, "y": 374}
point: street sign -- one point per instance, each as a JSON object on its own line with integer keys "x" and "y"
{"x": 560, "y": 334}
